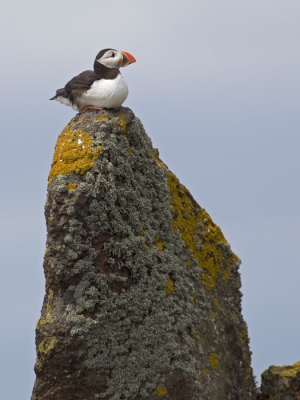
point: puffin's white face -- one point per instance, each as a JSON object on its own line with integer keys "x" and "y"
{"x": 111, "y": 59}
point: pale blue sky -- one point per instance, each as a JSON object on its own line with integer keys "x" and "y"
{"x": 216, "y": 85}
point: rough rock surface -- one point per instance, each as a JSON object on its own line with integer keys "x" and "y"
{"x": 281, "y": 383}
{"x": 142, "y": 289}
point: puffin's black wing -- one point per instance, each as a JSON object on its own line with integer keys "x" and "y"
{"x": 82, "y": 82}
{"x": 77, "y": 85}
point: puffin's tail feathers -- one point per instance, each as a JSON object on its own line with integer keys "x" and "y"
{"x": 59, "y": 93}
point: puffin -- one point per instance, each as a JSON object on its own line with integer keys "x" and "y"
{"x": 102, "y": 88}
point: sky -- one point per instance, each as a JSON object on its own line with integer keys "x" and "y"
{"x": 216, "y": 85}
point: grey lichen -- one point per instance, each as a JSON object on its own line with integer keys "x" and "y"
{"x": 128, "y": 287}
{"x": 132, "y": 332}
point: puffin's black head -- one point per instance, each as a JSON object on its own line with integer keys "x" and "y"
{"x": 112, "y": 58}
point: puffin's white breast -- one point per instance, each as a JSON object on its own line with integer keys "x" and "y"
{"x": 107, "y": 93}
{"x": 63, "y": 100}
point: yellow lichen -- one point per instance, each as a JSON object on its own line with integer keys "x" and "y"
{"x": 48, "y": 318}
{"x": 122, "y": 122}
{"x": 242, "y": 337}
{"x": 72, "y": 186}
{"x": 44, "y": 320}
{"x": 226, "y": 273}
{"x": 194, "y": 296}
{"x": 101, "y": 118}
{"x": 47, "y": 345}
{"x": 169, "y": 287}
{"x": 129, "y": 150}
{"x": 190, "y": 262}
{"x": 208, "y": 280}
{"x": 286, "y": 371}
{"x": 160, "y": 391}
{"x": 191, "y": 221}
{"x": 50, "y": 293}
{"x": 74, "y": 153}
{"x": 49, "y": 308}
{"x": 216, "y": 301}
{"x": 159, "y": 243}
{"x": 196, "y": 337}
{"x": 206, "y": 371}
{"x": 213, "y": 314}
{"x": 214, "y": 362}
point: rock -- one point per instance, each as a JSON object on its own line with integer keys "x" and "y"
{"x": 142, "y": 289}
{"x": 281, "y": 383}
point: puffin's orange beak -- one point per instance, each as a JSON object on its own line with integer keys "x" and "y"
{"x": 127, "y": 59}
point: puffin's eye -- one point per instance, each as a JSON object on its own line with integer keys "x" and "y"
{"x": 112, "y": 54}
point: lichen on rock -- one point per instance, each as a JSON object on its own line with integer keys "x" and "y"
{"x": 145, "y": 299}
{"x": 281, "y": 383}
{"x": 74, "y": 153}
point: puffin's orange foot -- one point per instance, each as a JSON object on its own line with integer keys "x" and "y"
{"x": 87, "y": 107}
